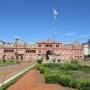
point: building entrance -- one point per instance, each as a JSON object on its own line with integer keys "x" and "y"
{"x": 20, "y": 56}
{"x": 48, "y": 54}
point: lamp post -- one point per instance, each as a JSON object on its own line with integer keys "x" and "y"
{"x": 16, "y": 52}
{"x": 31, "y": 54}
{"x": 55, "y": 14}
{"x": 3, "y": 43}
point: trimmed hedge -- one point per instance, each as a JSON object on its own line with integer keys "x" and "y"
{"x": 84, "y": 85}
{"x": 73, "y": 83}
{"x": 65, "y": 66}
{"x": 67, "y": 81}
{"x": 39, "y": 61}
{"x": 7, "y": 63}
{"x": 64, "y": 80}
{"x": 40, "y": 67}
{"x": 52, "y": 79}
{"x": 65, "y": 77}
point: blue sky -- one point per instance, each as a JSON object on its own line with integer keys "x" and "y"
{"x": 31, "y": 20}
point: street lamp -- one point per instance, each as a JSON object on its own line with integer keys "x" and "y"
{"x": 3, "y": 43}
{"x": 16, "y": 52}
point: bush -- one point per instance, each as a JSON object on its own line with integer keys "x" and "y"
{"x": 84, "y": 85}
{"x": 52, "y": 65}
{"x": 74, "y": 66}
{"x": 52, "y": 78}
{"x": 74, "y": 61}
{"x": 18, "y": 61}
{"x": 41, "y": 70}
{"x": 64, "y": 80}
{"x": 63, "y": 66}
{"x": 64, "y": 77}
{"x": 40, "y": 67}
{"x": 73, "y": 83}
{"x": 70, "y": 66}
{"x": 39, "y": 61}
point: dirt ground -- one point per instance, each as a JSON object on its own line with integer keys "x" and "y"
{"x": 34, "y": 81}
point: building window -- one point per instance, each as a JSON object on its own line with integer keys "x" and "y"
{"x": 80, "y": 57}
{"x": 75, "y": 56}
{"x": 26, "y": 51}
{"x": 58, "y": 60}
{"x": 34, "y": 51}
{"x": 30, "y": 51}
{"x": 48, "y": 45}
{"x": 39, "y": 45}
{"x": 4, "y": 50}
{"x": 8, "y": 51}
{"x": 57, "y": 45}
{"x": 39, "y": 51}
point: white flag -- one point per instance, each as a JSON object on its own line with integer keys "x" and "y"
{"x": 55, "y": 13}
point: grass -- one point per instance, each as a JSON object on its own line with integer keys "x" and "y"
{"x": 7, "y": 63}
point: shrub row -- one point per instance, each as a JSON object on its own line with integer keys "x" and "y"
{"x": 67, "y": 81}
{"x": 68, "y": 66}
{"x": 40, "y": 67}
{"x": 39, "y": 61}
{"x": 64, "y": 77}
{"x": 65, "y": 66}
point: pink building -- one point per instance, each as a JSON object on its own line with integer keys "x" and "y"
{"x": 47, "y": 50}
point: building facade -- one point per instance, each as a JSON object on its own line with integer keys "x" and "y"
{"x": 48, "y": 50}
{"x": 87, "y": 50}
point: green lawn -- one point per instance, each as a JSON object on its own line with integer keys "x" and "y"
{"x": 7, "y": 63}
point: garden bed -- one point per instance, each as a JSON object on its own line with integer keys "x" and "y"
{"x": 7, "y": 63}
{"x": 69, "y": 75}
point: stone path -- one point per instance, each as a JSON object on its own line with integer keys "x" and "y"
{"x": 34, "y": 81}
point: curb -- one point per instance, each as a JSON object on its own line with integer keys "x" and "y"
{"x": 16, "y": 75}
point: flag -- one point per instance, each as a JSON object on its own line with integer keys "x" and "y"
{"x": 55, "y": 13}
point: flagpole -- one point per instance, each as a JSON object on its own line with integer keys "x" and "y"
{"x": 53, "y": 29}
{"x": 53, "y": 36}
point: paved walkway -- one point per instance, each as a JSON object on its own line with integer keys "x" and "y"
{"x": 9, "y": 71}
{"x": 34, "y": 81}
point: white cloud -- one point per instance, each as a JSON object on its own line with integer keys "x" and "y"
{"x": 84, "y": 36}
{"x": 71, "y": 34}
